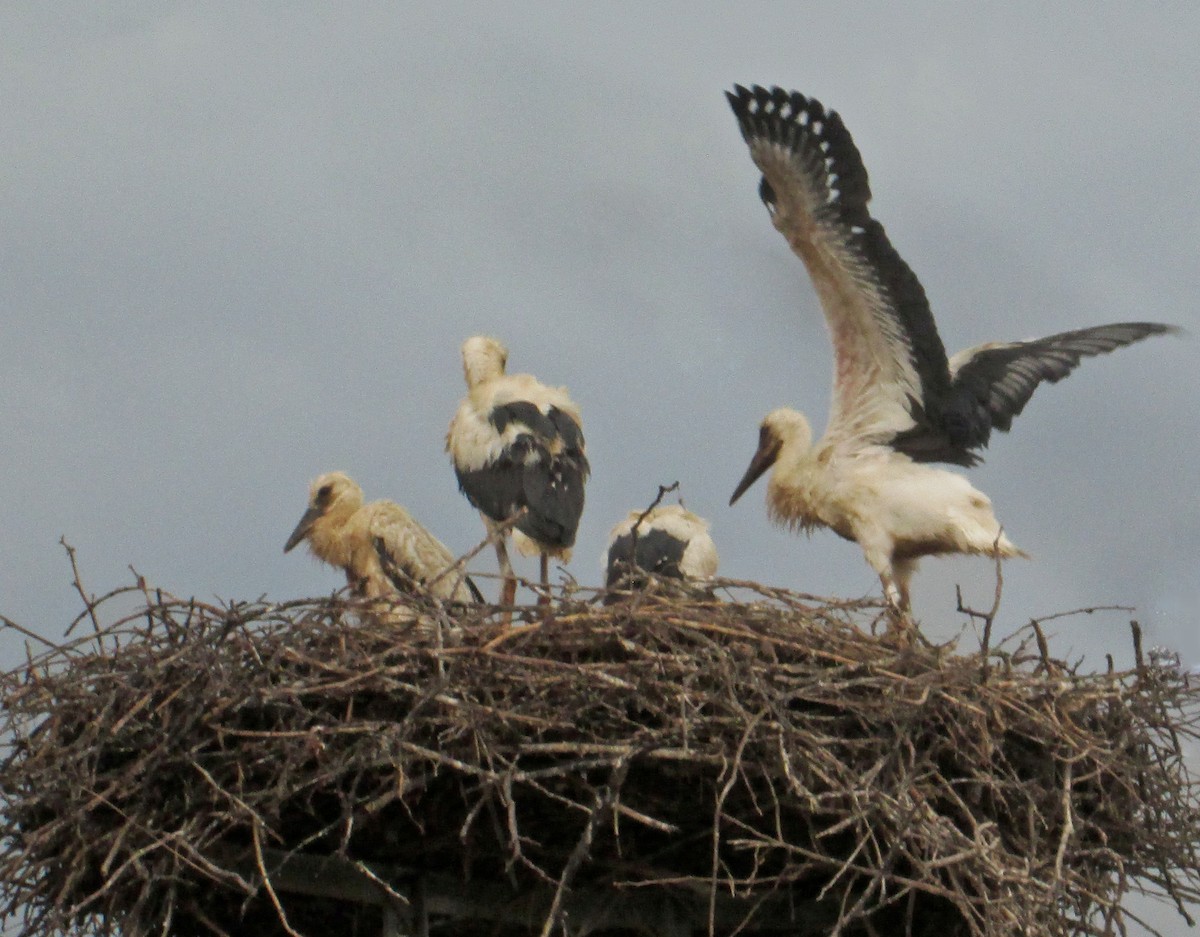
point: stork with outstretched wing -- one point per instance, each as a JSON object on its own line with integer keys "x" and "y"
{"x": 898, "y": 402}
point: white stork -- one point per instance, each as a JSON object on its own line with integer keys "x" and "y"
{"x": 668, "y": 541}
{"x": 898, "y": 403}
{"x": 518, "y": 452}
{"x": 379, "y": 546}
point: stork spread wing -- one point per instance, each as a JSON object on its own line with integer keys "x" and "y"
{"x": 889, "y": 360}
{"x": 991, "y": 383}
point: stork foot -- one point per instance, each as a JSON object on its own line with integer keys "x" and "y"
{"x": 901, "y": 628}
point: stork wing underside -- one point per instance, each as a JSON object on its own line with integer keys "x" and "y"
{"x": 888, "y": 356}
{"x": 992, "y": 383}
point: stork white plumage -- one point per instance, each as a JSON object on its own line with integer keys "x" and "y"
{"x": 898, "y": 403}
{"x": 668, "y": 541}
{"x": 518, "y": 451}
{"x": 379, "y": 545}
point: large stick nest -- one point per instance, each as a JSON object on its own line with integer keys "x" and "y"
{"x": 668, "y": 765}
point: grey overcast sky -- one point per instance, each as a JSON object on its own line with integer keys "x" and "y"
{"x": 243, "y": 241}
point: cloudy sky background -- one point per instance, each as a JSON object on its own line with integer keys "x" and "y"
{"x": 242, "y": 243}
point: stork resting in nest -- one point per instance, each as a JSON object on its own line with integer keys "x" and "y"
{"x": 667, "y": 540}
{"x": 898, "y": 403}
{"x": 380, "y": 547}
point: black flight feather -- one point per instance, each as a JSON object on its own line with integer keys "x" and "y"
{"x": 989, "y": 385}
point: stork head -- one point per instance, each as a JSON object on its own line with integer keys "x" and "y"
{"x": 483, "y": 358}
{"x": 780, "y": 429}
{"x": 333, "y": 492}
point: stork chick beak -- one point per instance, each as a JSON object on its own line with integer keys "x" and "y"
{"x": 306, "y": 521}
{"x": 763, "y": 460}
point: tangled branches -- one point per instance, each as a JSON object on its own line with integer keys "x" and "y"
{"x": 668, "y": 766}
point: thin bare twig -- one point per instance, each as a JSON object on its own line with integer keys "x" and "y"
{"x": 89, "y": 601}
{"x": 266, "y": 881}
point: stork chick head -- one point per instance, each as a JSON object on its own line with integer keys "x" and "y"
{"x": 781, "y": 429}
{"x": 332, "y": 495}
{"x": 484, "y": 359}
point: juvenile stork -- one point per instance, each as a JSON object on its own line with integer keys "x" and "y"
{"x": 898, "y": 402}
{"x": 518, "y": 452}
{"x": 379, "y": 546}
{"x": 667, "y": 541}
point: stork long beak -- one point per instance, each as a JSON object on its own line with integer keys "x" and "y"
{"x": 306, "y": 521}
{"x": 763, "y": 460}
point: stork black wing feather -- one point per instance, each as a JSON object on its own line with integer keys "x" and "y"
{"x": 554, "y": 495}
{"x": 656, "y": 551}
{"x": 992, "y": 384}
{"x": 543, "y": 469}
{"x": 496, "y": 489}
{"x": 568, "y": 431}
{"x": 554, "y": 483}
{"x": 526, "y": 415}
{"x": 821, "y": 148}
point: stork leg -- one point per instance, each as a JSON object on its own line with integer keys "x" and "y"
{"x": 903, "y": 571}
{"x": 891, "y": 592}
{"x": 894, "y": 575}
{"x": 508, "y": 579}
{"x": 900, "y": 622}
{"x": 544, "y": 595}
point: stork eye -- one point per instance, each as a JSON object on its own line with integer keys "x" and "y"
{"x": 324, "y": 492}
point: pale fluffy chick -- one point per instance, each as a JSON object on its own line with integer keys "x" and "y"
{"x": 380, "y": 547}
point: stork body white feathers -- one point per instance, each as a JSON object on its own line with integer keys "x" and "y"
{"x": 668, "y": 541}
{"x": 518, "y": 451}
{"x": 898, "y": 402}
{"x": 380, "y": 547}
{"x": 897, "y": 510}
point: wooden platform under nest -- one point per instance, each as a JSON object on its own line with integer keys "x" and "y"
{"x": 666, "y": 766}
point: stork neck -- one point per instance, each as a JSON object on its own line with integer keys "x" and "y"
{"x": 794, "y": 456}
{"x": 481, "y": 369}
{"x": 328, "y": 536}
{"x": 792, "y": 488}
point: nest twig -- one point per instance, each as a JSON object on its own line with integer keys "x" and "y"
{"x": 666, "y": 765}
